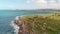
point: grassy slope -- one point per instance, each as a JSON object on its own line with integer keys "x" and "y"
{"x": 43, "y": 23}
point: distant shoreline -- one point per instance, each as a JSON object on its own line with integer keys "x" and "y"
{"x": 38, "y": 9}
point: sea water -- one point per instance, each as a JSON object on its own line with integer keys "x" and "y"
{"x": 6, "y": 16}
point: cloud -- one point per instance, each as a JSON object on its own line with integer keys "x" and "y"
{"x": 37, "y": 1}
{"x": 28, "y": 1}
{"x": 46, "y": 4}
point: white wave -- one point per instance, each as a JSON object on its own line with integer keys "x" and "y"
{"x": 15, "y": 27}
{"x": 17, "y": 18}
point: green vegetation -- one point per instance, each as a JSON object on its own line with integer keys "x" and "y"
{"x": 44, "y": 24}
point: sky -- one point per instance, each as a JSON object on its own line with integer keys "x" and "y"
{"x": 29, "y": 4}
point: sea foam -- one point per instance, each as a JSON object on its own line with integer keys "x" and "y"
{"x": 16, "y": 28}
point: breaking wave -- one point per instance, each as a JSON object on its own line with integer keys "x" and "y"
{"x": 16, "y": 28}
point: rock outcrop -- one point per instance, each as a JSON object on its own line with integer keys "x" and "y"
{"x": 22, "y": 25}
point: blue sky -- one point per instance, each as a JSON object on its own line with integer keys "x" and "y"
{"x": 29, "y": 4}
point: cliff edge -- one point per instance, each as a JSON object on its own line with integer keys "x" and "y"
{"x": 38, "y": 24}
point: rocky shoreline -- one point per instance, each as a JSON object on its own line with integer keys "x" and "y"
{"x": 22, "y": 25}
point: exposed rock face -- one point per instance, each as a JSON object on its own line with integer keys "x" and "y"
{"x": 22, "y": 25}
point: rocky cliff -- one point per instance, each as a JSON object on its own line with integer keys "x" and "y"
{"x": 19, "y": 21}
{"x": 38, "y": 24}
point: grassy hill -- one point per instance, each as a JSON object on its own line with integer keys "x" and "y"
{"x": 43, "y": 23}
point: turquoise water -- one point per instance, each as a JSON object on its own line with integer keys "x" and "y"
{"x": 6, "y": 16}
{"x": 20, "y": 12}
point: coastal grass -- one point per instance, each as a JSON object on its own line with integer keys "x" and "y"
{"x": 43, "y": 23}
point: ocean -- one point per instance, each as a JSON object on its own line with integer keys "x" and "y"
{"x": 6, "y": 16}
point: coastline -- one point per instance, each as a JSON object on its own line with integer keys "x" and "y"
{"x": 16, "y": 27}
{"x": 22, "y": 25}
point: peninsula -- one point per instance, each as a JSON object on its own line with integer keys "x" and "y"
{"x": 39, "y": 24}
